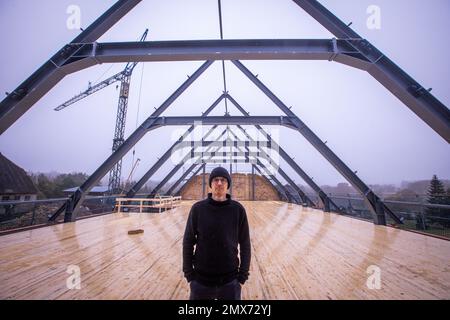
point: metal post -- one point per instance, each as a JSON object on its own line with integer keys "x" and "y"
{"x": 204, "y": 183}
{"x": 253, "y": 183}
{"x": 34, "y": 213}
{"x": 231, "y": 175}
{"x": 422, "y": 212}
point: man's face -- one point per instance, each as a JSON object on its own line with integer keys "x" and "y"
{"x": 219, "y": 186}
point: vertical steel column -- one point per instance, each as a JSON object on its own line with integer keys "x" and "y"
{"x": 204, "y": 183}
{"x": 253, "y": 183}
{"x": 231, "y": 175}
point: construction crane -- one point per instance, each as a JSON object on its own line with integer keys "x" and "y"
{"x": 124, "y": 77}
{"x": 131, "y": 174}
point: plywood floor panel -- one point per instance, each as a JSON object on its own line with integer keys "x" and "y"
{"x": 297, "y": 253}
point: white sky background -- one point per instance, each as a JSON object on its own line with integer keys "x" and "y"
{"x": 364, "y": 124}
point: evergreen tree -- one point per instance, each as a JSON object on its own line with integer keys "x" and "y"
{"x": 436, "y": 194}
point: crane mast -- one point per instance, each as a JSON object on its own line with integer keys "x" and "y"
{"x": 115, "y": 173}
{"x": 124, "y": 77}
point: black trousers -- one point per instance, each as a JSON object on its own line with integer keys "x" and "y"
{"x": 228, "y": 291}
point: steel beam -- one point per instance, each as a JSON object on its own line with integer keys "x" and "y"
{"x": 209, "y": 144}
{"x": 72, "y": 205}
{"x": 190, "y": 178}
{"x": 230, "y": 49}
{"x": 303, "y": 197}
{"x": 179, "y": 165}
{"x": 276, "y": 184}
{"x": 374, "y": 203}
{"x": 291, "y": 49}
{"x": 392, "y": 77}
{"x": 226, "y": 159}
{"x": 224, "y": 143}
{"x": 166, "y": 179}
{"x": 77, "y": 56}
{"x": 214, "y": 155}
{"x": 157, "y": 122}
{"x": 223, "y": 120}
{"x": 50, "y": 73}
{"x": 183, "y": 176}
{"x": 351, "y": 50}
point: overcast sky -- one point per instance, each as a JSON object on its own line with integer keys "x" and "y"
{"x": 363, "y": 123}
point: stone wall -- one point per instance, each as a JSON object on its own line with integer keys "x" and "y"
{"x": 242, "y": 188}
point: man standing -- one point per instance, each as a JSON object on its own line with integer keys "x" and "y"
{"x": 215, "y": 227}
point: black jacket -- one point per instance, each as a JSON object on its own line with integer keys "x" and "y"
{"x": 216, "y": 228}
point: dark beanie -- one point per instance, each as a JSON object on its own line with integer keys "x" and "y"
{"x": 220, "y": 172}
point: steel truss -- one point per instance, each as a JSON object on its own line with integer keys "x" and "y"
{"x": 324, "y": 198}
{"x": 349, "y": 48}
{"x": 155, "y": 121}
{"x": 227, "y": 157}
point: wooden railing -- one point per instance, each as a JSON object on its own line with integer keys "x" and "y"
{"x": 160, "y": 202}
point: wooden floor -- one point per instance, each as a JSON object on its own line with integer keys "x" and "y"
{"x": 297, "y": 253}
